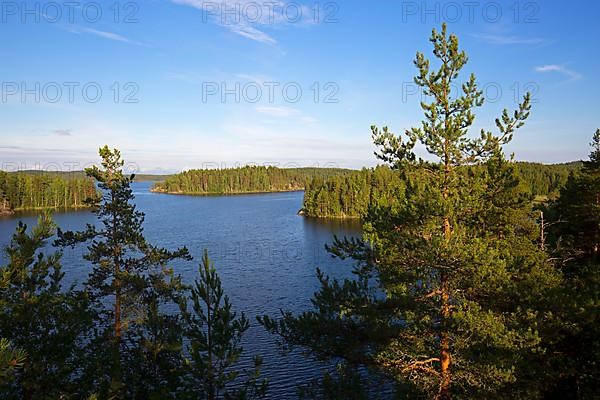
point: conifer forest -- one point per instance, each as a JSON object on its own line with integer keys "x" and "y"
{"x": 475, "y": 275}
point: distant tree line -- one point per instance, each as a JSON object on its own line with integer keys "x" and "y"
{"x": 546, "y": 179}
{"x": 350, "y": 194}
{"x": 339, "y": 193}
{"x": 22, "y": 191}
{"x": 249, "y": 179}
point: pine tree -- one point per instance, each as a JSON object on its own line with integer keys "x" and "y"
{"x": 577, "y": 238}
{"x": 41, "y": 318}
{"x": 11, "y": 358}
{"x": 215, "y": 332}
{"x": 579, "y": 207}
{"x": 129, "y": 275}
{"x": 449, "y": 280}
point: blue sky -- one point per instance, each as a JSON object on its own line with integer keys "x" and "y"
{"x": 352, "y": 61}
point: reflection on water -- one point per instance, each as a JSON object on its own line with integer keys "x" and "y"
{"x": 265, "y": 253}
{"x": 333, "y": 226}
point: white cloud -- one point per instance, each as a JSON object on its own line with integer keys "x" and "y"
{"x": 252, "y": 33}
{"x": 573, "y": 75}
{"x": 105, "y": 35}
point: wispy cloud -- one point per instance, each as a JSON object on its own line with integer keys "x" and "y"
{"x": 573, "y": 75}
{"x": 62, "y": 132}
{"x": 508, "y": 39}
{"x": 105, "y": 35}
{"x": 252, "y": 33}
{"x": 239, "y": 25}
{"x": 248, "y": 18}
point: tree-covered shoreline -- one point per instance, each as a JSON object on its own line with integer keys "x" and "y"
{"x": 242, "y": 180}
{"x": 219, "y": 194}
{"x": 23, "y": 191}
{"x": 350, "y": 194}
{"x": 337, "y": 193}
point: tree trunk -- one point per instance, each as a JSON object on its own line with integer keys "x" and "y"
{"x": 445, "y": 358}
{"x": 116, "y": 377}
{"x": 210, "y": 377}
{"x": 118, "y": 315}
{"x": 117, "y": 271}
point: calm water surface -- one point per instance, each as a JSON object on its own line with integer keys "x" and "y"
{"x": 265, "y": 254}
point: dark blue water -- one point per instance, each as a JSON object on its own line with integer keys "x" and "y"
{"x": 265, "y": 253}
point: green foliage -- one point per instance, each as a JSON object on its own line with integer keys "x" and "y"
{"x": 22, "y": 191}
{"x": 578, "y": 207}
{"x": 546, "y": 180}
{"x": 40, "y": 318}
{"x": 346, "y": 384}
{"x": 250, "y": 179}
{"x": 215, "y": 332}
{"x": 350, "y": 194}
{"x": 575, "y": 235}
{"x": 11, "y": 360}
{"x": 129, "y": 282}
{"x": 450, "y": 285}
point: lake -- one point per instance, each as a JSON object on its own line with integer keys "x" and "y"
{"x": 265, "y": 254}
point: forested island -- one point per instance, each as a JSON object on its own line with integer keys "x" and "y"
{"x": 44, "y": 190}
{"x": 248, "y": 179}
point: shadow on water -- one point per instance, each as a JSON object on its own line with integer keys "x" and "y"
{"x": 333, "y": 226}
